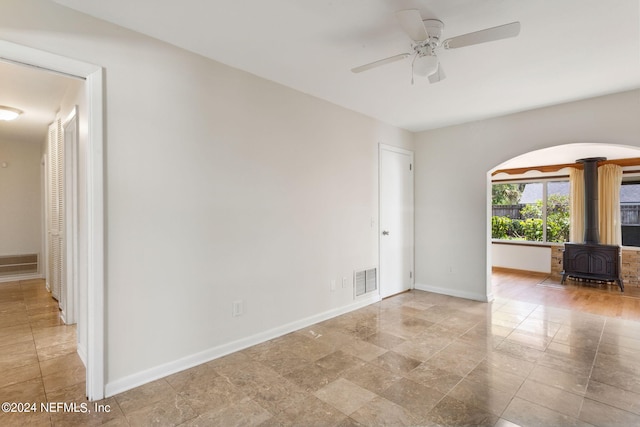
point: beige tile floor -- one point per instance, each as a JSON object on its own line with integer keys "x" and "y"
{"x": 414, "y": 359}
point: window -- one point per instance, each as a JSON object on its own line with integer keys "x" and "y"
{"x": 531, "y": 211}
{"x": 630, "y": 212}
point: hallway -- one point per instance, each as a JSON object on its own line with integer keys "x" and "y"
{"x": 38, "y": 358}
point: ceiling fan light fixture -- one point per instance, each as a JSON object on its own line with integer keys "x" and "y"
{"x": 425, "y": 35}
{"x": 426, "y": 65}
{"x": 9, "y": 113}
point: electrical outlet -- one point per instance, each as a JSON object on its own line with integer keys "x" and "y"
{"x": 333, "y": 286}
{"x": 238, "y": 308}
{"x": 344, "y": 282}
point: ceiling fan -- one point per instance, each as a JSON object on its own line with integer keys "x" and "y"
{"x": 426, "y": 40}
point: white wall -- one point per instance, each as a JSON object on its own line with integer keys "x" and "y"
{"x": 521, "y": 257}
{"x": 452, "y": 165}
{"x": 20, "y": 198}
{"x": 221, "y": 186}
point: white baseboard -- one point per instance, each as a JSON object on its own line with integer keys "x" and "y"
{"x": 161, "y": 371}
{"x": 18, "y": 277}
{"x": 490, "y": 297}
{"x": 82, "y": 353}
{"x": 454, "y": 292}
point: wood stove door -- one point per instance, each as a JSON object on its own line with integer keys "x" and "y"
{"x": 581, "y": 261}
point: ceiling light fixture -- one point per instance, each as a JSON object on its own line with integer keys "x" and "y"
{"x": 9, "y": 113}
{"x": 425, "y": 65}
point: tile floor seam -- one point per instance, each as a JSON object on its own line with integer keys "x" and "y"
{"x": 586, "y": 386}
{"x": 633, "y": 414}
{"x": 34, "y": 345}
{"x": 515, "y": 394}
{"x": 120, "y": 408}
{"x": 447, "y": 394}
{"x": 593, "y": 364}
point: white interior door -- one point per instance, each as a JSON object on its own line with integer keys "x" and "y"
{"x": 396, "y": 220}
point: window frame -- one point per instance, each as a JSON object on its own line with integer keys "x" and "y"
{"x": 533, "y": 180}
{"x": 629, "y": 179}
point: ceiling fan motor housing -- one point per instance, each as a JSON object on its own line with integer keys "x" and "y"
{"x": 425, "y": 35}
{"x": 434, "y": 28}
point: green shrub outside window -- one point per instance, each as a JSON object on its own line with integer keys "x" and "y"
{"x": 531, "y": 211}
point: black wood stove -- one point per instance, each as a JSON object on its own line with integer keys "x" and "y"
{"x": 591, "y": 260}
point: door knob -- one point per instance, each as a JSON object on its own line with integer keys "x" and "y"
{"x": 385, "y": 233}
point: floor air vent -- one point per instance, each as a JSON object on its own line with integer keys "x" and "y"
{"x": 366, "y": 281}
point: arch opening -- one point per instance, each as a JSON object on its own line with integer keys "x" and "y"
{"x": 537, "y": 256}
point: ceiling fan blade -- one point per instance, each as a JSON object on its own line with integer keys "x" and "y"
{"x": 411, "y": 22}
{"x": 438, "y": 75}
{"x": 488, "y": 35}
{"x": 380, "y": 62}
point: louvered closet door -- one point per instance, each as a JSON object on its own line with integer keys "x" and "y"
{"x": 56, "y": 209}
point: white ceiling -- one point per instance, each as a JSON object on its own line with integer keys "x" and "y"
{"x": 565, "y": 154}
{"x": 37, "y": 93}
{"x": 567, "y": 50}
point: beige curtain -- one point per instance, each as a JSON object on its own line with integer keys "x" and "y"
{"x": 609, "y": 182}
{"x": 576, "y": 209}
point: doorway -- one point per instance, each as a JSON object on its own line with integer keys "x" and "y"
{"x": 396, "y": 240}
{"x": 91, "y": 301}
{"x": 526, "y": 176}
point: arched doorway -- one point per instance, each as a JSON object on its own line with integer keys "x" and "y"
{"x": 545, "y": 165}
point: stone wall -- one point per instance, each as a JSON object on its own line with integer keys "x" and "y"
{"x": 556, "y": 262}
{"x": 631, "y": 268}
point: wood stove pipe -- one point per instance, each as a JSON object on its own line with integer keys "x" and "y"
{"x": 591, "y": 232}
